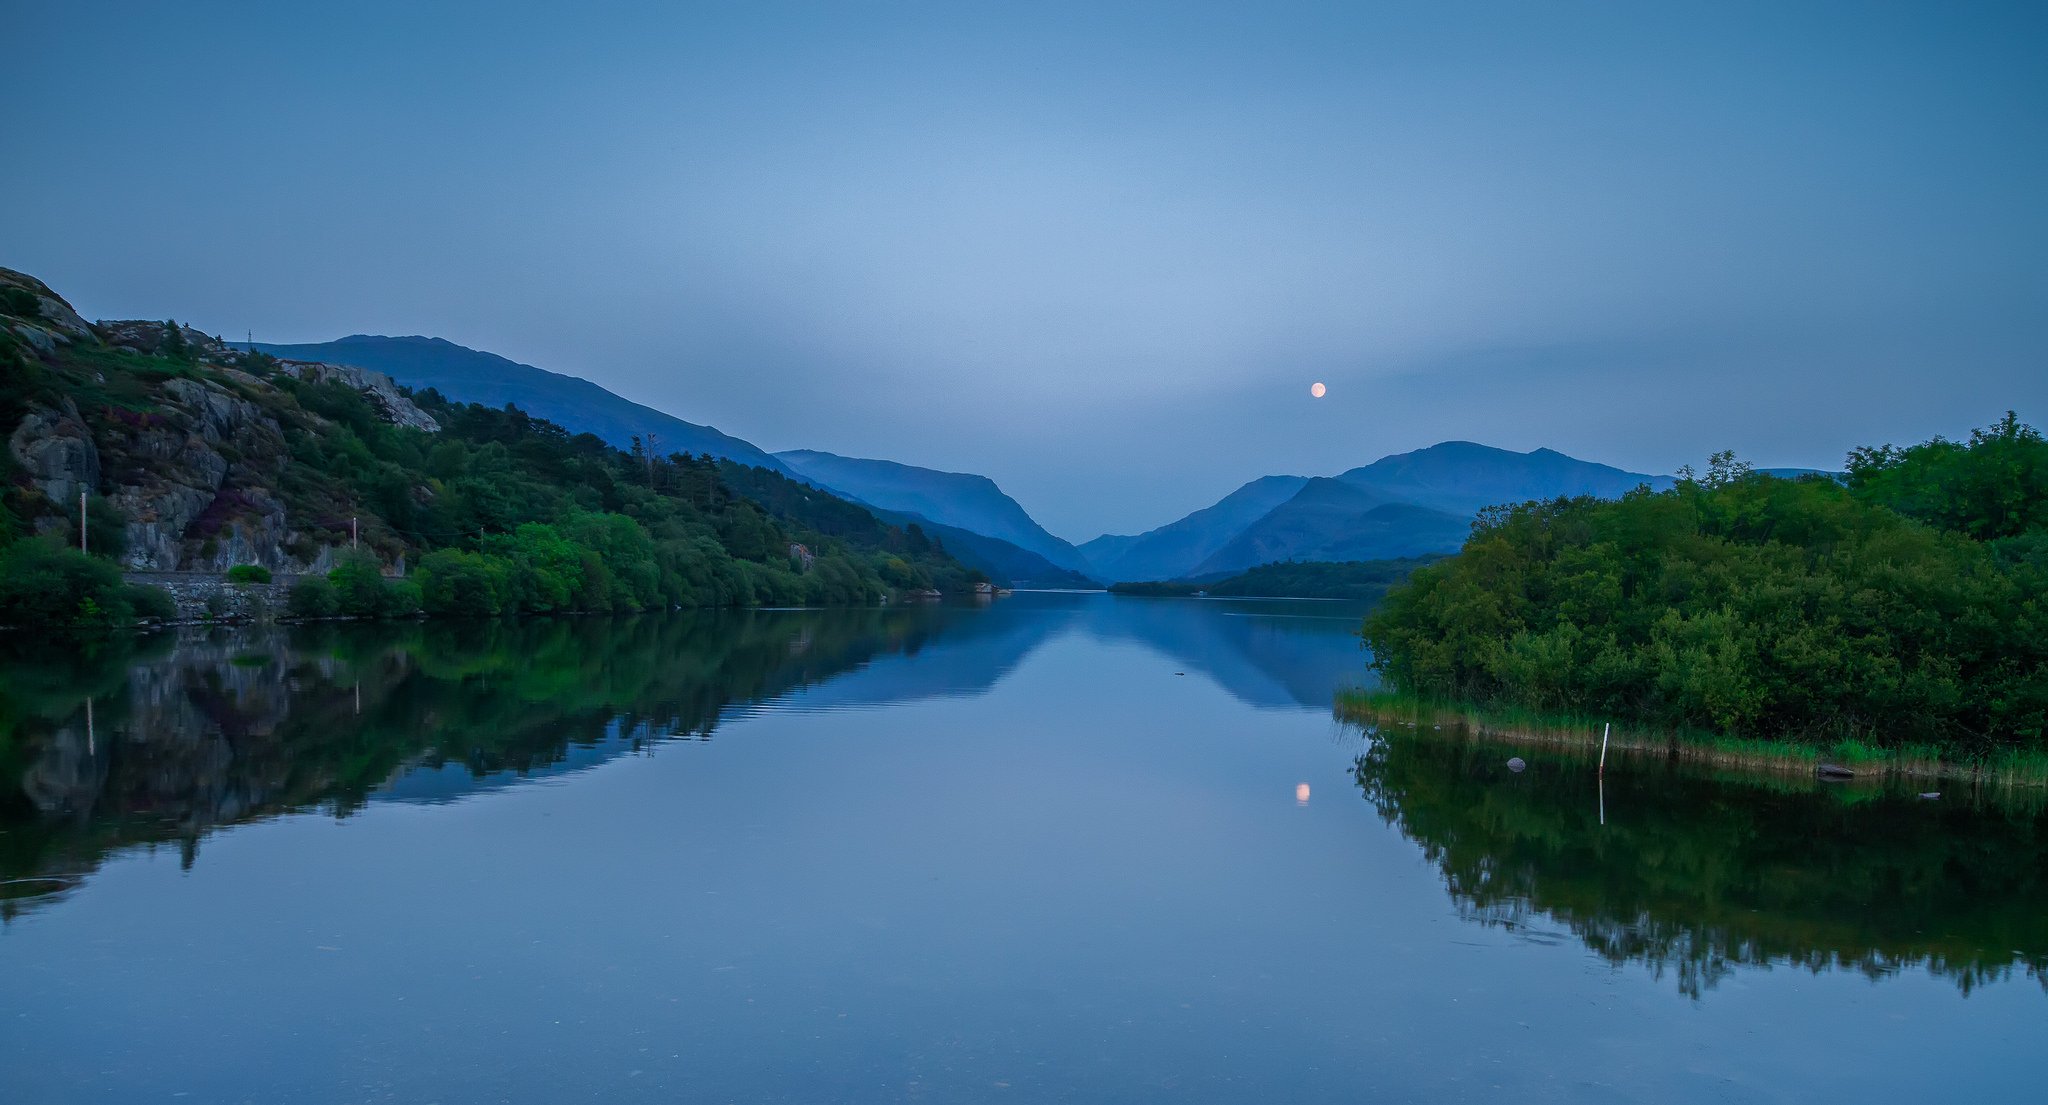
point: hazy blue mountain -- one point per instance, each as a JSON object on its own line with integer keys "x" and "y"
{"x": 1460, "y": 477}
{"x": 1333, "y": 520}
{"x": 957, "y": 499}
{"x": 1173, "y": 550}
{"x": 473, "y": 376}
{"x": 1005, "y": 564}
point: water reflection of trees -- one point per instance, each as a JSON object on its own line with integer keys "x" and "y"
{"x": 158, "y": 743}
{"x": 1696, "y": 876}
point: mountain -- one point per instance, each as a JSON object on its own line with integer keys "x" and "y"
{"x": 1407, "y": 504}
{"x": 1461, "y": 477}
{"x": 1005, "y": 564}
{"x": 473, "y": 376}
{"x": 1331, "y": 520}
{"x": 187, "y": 455}
{"x": 957, "y": 499}
{"x": 1173, "y": 550}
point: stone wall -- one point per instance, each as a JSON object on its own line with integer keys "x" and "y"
{"x": 203, "y": 596}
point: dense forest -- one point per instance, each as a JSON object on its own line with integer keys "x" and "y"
{"x": 524, "y": 517}
{"x": 494, "y": 512}
{"x": 1906, "y": 602}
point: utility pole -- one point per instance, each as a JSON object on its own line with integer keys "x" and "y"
{"x": 81, "y": 521}
{"x": 351, "y": 533}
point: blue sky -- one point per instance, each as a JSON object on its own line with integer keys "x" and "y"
{"x": 1096, "y": 252}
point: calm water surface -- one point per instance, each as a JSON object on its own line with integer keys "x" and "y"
{"x": 1065, "y": 848}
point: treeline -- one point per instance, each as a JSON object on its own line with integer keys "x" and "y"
{"x": 498, "y": 513}
{"x": 512, "y": 514}
{"x": 1365, "y": 580}
{"x": 1348, "y": 579}
{"x": 1907, "y": 602}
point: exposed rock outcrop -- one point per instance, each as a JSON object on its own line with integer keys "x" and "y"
{"x": 55, "y": 447}
{"x": 191, "y": 448}
{"x": 378, "y": 388}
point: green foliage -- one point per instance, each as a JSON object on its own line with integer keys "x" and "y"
{"x": 1994, "y": 486}
{"x": 1352, "y": 579}
{"x": 174, "y": 346}
{"x": 1752, "y": 606}
{"x": 106, "y": 528}
{"x": 533, "y": 519}
{"x": 312, "y": 597}
{"x": 151, "y": 602}
{"x": 48, "y": 586}
{"x": 248, "y": 573}
{"x": 361, "y": 591}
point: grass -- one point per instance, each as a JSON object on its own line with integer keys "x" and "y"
{"x": 1580, "y": 736}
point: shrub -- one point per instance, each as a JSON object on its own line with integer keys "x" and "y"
{"x": 311, "y": 597}
{"x": 151, "y": 602}
{"x": 464, "y": 584}
{"x": 20, "y": 302}
{"x": 358, "y": 586}
{"x": 361, "y": 591}
{"x": 248, "y": 573}
{"x": 108, "y": 528}
{"x": 47, "y": 585}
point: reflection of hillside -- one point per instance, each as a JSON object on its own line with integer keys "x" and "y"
{"x": 963, "y": 651}
{"x": 1265, "y": 652}
{"x": 1697, "y": 876}
{"x": 102, "y": 752}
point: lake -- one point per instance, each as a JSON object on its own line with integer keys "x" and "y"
{"x": 1063, "y": 847}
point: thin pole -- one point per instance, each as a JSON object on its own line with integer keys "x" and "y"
{"x": 351, "y": 533}
{"x": 1604, "y": 727}
{"x": 81, "y": 521}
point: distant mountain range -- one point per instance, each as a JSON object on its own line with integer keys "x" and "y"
{"x": 957, "y": 499}
{"x": 473, "y": 376}
{"x": 1404, "y": 505}
{"x": 1408, "y": 504}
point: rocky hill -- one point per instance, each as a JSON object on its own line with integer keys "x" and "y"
{"x": 183, "y": 437}
{"x": 184, "y": 454}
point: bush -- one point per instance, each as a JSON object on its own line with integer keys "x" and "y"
{"x": 107, "y": 527}
{"x": 361, "y": 591}
{"x": 248, "y": 573}
{"x": 46, "y": 585}
{"x": 151, "y": 602}
{"x": 311, "y": 597}
{"x": 463, "y": 584}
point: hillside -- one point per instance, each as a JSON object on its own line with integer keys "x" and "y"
{"x": 1005, "y": 564}
{"x": 956, "y": 499}
{"x": 473, "y": 376}
{"x": 194, "y": 456}
{"x": 1329, "y": 520}
{"x": 1460, "y": 477}
{"x": 1408, "y": 504}
{"x": 1175, "y": 549}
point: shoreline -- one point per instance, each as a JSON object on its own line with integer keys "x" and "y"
{"x": 1866, "y": 764}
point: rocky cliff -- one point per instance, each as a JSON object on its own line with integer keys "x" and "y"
{"x": 185, "y": 437}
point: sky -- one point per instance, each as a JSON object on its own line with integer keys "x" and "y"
{"x": 1096, "y": 252}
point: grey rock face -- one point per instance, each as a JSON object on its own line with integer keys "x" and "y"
{"x": 56, "y": 448}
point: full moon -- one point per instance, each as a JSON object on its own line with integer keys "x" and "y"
{"x": 1317, "y": 389}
